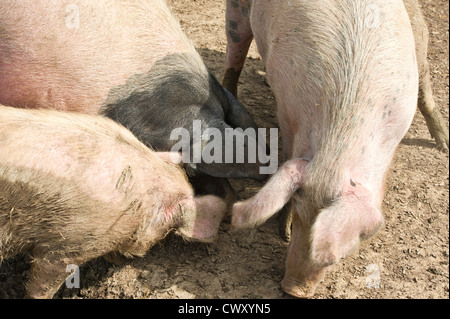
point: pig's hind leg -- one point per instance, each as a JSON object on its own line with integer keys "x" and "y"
{"x": 434, "y": 119}
{"x": 285, "y": 221}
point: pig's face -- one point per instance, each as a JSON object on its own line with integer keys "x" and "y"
{"x": 321, "y": 236}
{"x": 178, "y": 107}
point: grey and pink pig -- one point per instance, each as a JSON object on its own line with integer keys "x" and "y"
{"x": 74, "y": 187}
{"x": 345, "y": 78}
{"x": 127, "y": 60}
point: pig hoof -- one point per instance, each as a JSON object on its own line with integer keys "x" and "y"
{"x": 442, "y": 147}
{"x": 296, "y": 289}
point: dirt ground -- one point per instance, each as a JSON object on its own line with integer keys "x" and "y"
{"x": 409, "y": 256}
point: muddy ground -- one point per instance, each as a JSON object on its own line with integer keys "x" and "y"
{"x": 409, "y": 256}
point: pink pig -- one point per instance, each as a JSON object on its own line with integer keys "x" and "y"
{"x": 345, "y": 78}
{"x": 75, "y": 187}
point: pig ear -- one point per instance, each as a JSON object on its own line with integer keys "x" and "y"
{"x": 339, "y": 229}
{"x": 271, "y": 197}
{"x": 237, "y": 115}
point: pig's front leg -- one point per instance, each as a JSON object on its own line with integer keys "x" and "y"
{"x": 239, "y": 38}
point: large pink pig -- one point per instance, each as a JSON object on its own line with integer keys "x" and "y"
{"x": 345, "y": 78}
{"x": 126, "y": 59}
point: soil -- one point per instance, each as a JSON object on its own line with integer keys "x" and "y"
{"x": 409, "y": 256}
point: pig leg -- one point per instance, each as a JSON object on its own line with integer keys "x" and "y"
{"x": 285, "y": 222}
{"x": 271, "y": 198}
{"x": 239, "y": 38}
{"x": 201, "y": 217}
{"x": 285, "y": 215}
{"x": 435, "y": 122}
{"x": 48, "y": 272}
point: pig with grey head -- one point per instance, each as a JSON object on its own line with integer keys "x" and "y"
{"x": 345, "y": 78}
{"x": 74, "y": 187}
{"x": 127, "y": 60}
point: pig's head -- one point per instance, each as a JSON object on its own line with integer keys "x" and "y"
{"x": 320, "y": 242}
{"x": 323, "y": 230}
{"x": 180, "y": 106}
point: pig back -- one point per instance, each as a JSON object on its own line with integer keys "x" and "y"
{"x": 100, "y": 157}
{"x": 66, "y": 55}
{"x": 345, "y": 79}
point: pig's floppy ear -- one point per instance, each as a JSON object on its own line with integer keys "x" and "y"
{"x": 237, "y": 115}
{"x": 339, "y": 229}
{"x": 271, "y": 197}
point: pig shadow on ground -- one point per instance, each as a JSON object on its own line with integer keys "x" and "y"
{"x": 13, "y": 276}
{"x": 419, "y": 142}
